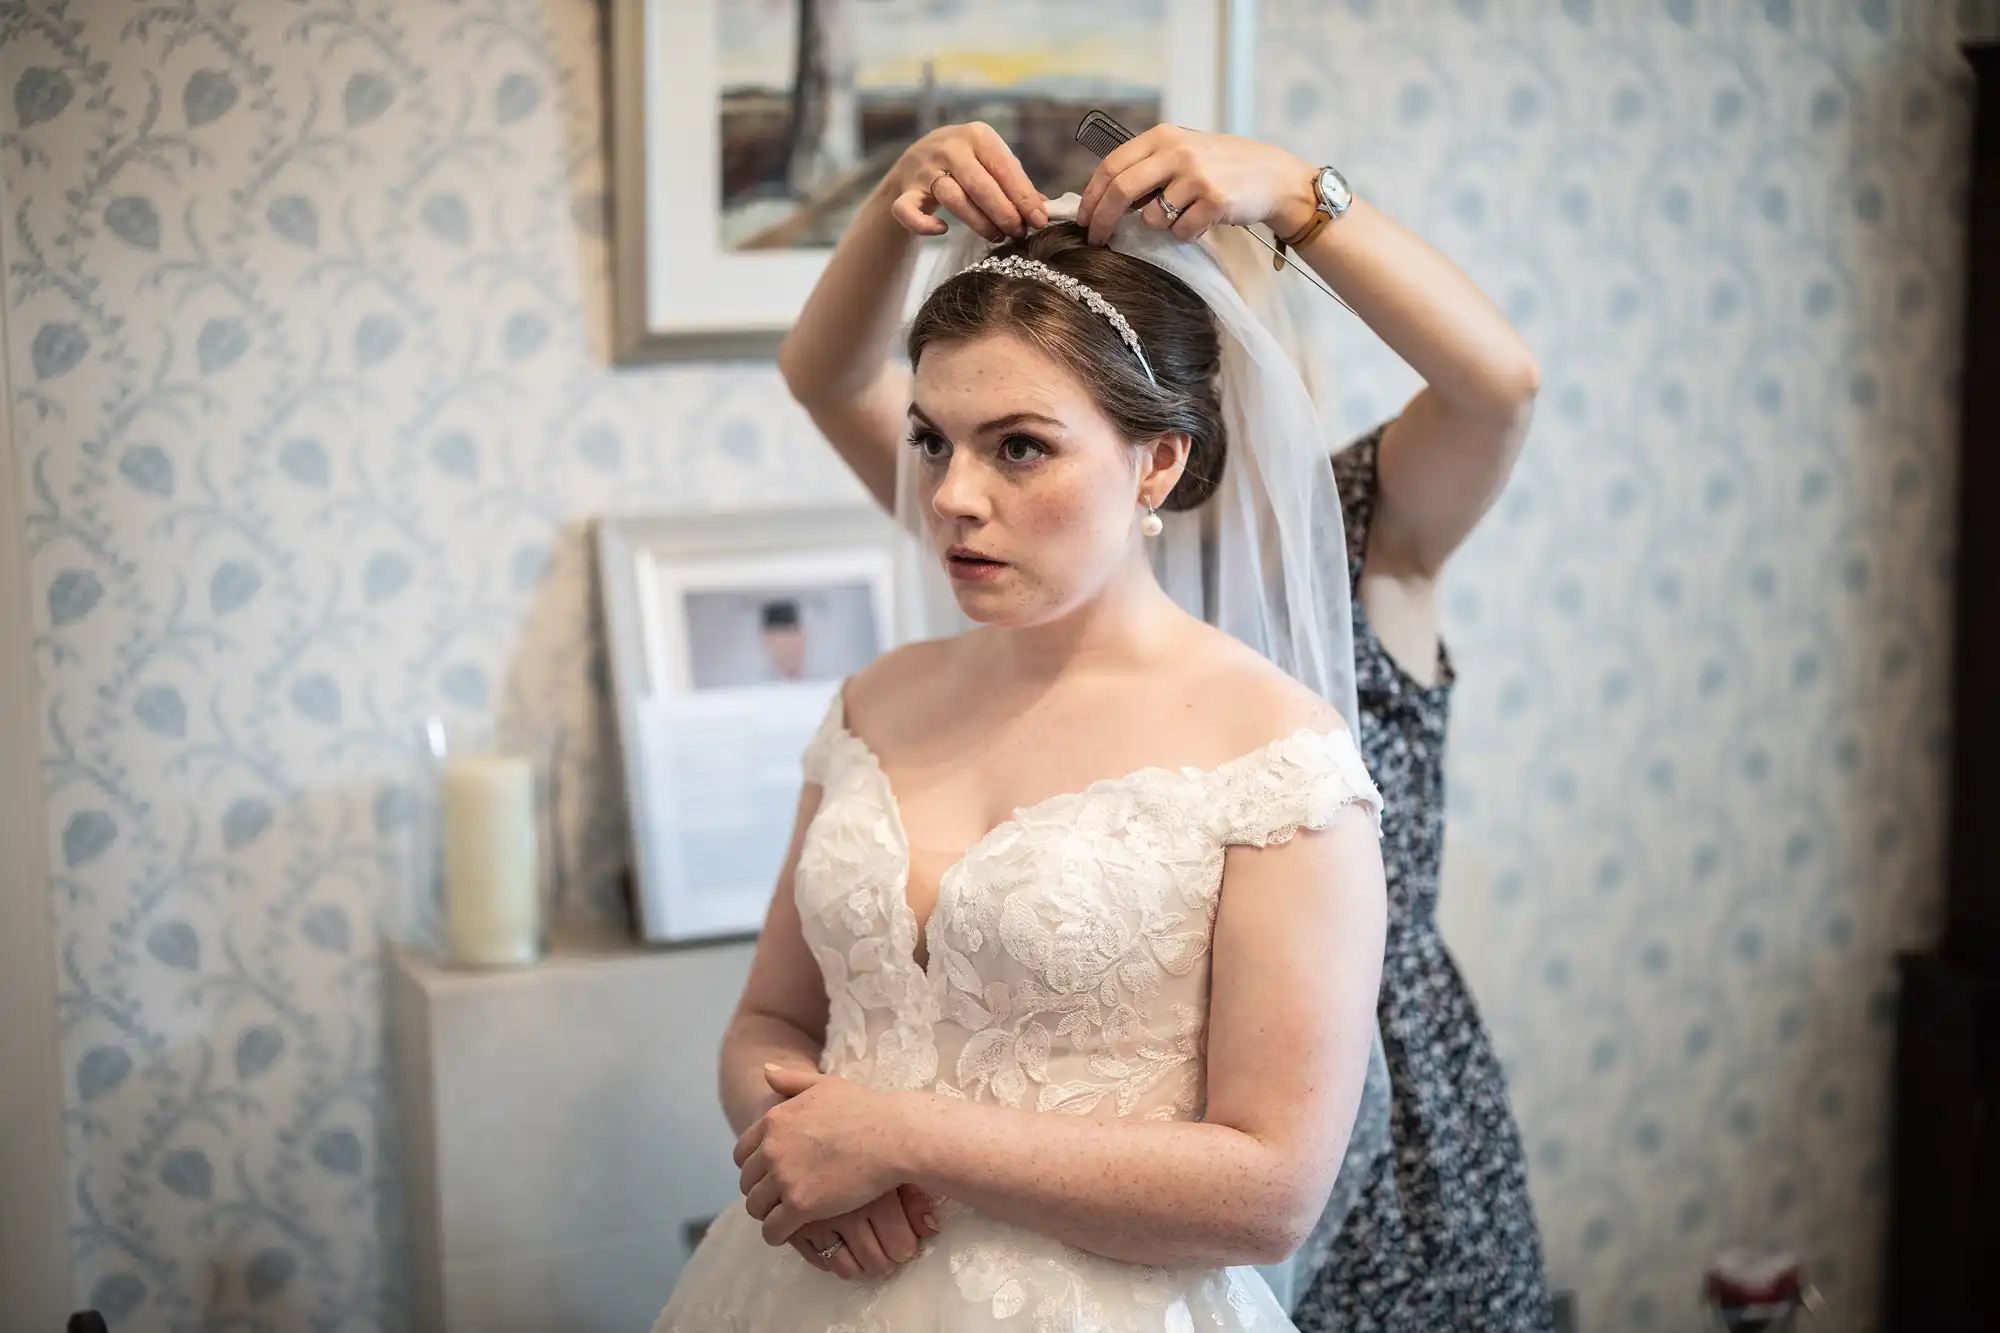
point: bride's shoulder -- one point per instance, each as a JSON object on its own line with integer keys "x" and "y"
{"x": 898, "y": 678}
{"x": 1296, "y": 764}
{"x": 1251, "y": 700}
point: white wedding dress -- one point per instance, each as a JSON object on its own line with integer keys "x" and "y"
{"x": 1068, "y": 975}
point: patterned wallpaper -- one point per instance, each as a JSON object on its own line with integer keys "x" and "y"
{"x": 1696, "y": 773}
{"x": 306, "y": 301}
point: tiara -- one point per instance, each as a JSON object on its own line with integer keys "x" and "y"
{"x": 1014, "y": 266}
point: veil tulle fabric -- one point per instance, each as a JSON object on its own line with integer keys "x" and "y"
{"x": 1265, "y": 558}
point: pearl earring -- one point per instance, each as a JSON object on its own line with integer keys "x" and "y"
{"x": 1151, "y": 524}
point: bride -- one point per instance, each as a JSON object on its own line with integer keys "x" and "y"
{"x": 1062, "y": 1011}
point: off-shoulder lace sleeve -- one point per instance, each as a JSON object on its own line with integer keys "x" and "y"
{"x": 820, "y": 750}
{"x": 1303, "y": 781}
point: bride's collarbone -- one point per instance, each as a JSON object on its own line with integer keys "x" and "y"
{"x": 961, "y": 766}
{"x": 954, "y": 796}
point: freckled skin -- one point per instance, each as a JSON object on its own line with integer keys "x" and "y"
{"x": 1056, "y": 500}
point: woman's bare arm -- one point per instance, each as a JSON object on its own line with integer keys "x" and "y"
{"x": 1445, "y": 459}
{"x": 781, "y": 1019}
{"x": 837, "y": 359}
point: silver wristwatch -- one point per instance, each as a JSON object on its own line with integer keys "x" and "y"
{"x": 1331, "y": 198}
{"x": 1334, "y": 195}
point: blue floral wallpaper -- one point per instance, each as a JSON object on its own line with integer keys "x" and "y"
{"x": 1696, "y": 778}
{"x": 306, "y": 309}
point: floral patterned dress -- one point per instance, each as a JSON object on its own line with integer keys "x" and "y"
{"x": 1443, "y": 1235}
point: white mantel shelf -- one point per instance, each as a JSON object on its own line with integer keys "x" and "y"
{"x": 561, "y": 1132}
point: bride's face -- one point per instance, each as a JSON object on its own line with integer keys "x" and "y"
{"x": 1030, "y": 493}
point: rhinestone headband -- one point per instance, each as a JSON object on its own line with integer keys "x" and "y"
{"x": 1014, "y": 266}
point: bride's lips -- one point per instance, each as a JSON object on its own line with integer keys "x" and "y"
{"x": 966, "y": 563}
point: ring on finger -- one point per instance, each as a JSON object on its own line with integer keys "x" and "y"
{"x": 835, "y": 1247}
{"x": 944, "y": 175}
{"x": 1173, "y": 213}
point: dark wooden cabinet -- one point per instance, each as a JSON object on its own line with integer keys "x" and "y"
{"x": 1944, "y": 1216}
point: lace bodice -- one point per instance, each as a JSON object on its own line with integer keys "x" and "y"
{"x": 1068, "y": 972}
{"x": 1069, "y": 950}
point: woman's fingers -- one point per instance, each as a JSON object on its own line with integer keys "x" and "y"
{"x": 1029, "y": 205}
{"x": 752, "y": 1137}
{"x": 864, "y": 1245}
{"x": 971, "y": 173}
{"x": 1135, "y": 182}
{"x": 952, "y": 196}
{"x": 809, "y": 1252}
{"x": 843, "y": 1263}
{"x": 1009, "y": 176}
{"x": 1196, "y": 219}
{"x": 814, "y": 1239}
{"x": 892, "y": 1228}
{"x": 919, "y": 1210}
{"x": 874, "y": 1241}
{"x": 916, "y": 211}
{"x": 756, "y": 1167}
{"x": 1115, "y": 163}
{"x": 761, "y": 1202}
{"x": 974, "y": 175}
{"x": 782, "y": 1223}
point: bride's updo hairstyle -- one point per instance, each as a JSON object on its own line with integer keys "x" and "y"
{"x": 1172, "y": 323}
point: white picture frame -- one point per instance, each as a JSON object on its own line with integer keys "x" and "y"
{"x": 678, "y": 293}
{"x": 728, "y": 637}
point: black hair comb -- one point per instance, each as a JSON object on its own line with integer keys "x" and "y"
{"x": 1098, "y": 132}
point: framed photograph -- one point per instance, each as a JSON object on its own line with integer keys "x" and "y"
{"x": 729, "y": 636}
{"x": 746, "y": 132}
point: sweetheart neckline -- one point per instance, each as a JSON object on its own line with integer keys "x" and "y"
{"x": 921, "y": 930}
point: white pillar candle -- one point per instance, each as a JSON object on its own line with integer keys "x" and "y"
{"x": 491, "y": 860}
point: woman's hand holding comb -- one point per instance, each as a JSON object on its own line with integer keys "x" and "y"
{"x": 1203, "y": 180}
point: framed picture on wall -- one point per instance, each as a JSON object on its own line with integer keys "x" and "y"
{"x": 745, "y": 133}
{"x": 729, "y": 636}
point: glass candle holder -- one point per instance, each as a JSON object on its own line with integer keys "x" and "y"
{"x": 487, "y": 857}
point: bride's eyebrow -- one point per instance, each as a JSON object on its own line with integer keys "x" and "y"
{"x": 1006, "y": 422}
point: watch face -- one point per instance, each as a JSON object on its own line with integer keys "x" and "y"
{"x": 1333, "y": 191}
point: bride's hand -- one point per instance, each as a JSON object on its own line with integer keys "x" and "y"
{"x": 875, "y": 1239}
{"x": 816, "y": 1154}
{"x": 1210, "y": 179}
{"x": 971, "y": 173}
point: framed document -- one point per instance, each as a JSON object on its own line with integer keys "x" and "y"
{"x": 729, "y": 635}
{"x": 745, "y": 133}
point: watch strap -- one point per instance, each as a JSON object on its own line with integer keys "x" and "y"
{"x": 1301, "y": 237}
{"x": 1322, "y": 214}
